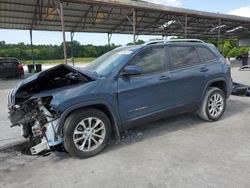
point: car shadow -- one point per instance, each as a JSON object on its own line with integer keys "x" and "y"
{"x": 236, "y": 105}
{"x": 156, "y": 128}
{"x": 176, "y": 123}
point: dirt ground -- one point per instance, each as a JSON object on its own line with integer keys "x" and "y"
{"x": 181, "y": 151}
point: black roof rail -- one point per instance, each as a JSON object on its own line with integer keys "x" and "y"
{"x": 173, "y": 40}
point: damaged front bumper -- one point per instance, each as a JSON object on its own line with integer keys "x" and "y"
{"x": 34, "y": 103}
{"x": 39, "y": 122}
{"x": 43, "y": 146}
{"x": 46, "y": 139}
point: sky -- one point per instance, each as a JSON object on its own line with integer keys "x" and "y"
{"x": 235, "y": 7}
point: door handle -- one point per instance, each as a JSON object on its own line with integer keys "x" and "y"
{"x": 164, "y": 77}
{"x": 204, "y": 69}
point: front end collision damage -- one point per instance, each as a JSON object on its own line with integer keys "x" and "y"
{"x": 38, "y": 121}
{"x": 30, "y": 105}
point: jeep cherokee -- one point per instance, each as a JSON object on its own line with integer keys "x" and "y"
{"x": 83, "y": 108}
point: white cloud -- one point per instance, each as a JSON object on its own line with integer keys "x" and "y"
{"x": 176, "y": 3}
{"x": 243, "y": 11}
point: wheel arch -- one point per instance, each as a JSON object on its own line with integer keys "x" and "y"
{"x": 100, "y": 105}
{"x": 219, "y": 83}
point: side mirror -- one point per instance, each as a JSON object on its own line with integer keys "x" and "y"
{"x": 131, "y": 70}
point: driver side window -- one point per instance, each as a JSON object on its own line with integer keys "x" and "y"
{"x": 151, "y": 60}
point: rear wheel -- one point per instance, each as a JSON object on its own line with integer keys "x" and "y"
{"x": 86, "y": 132}
{"x": 213, "y": 104}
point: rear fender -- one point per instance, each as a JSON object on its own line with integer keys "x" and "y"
{"x": 211, "y": 82}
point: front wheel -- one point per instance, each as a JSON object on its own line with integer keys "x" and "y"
{"x": 86, "y": 132}
{"x": 213, "y": 104}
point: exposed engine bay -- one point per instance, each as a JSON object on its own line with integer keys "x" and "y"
{"x": 37, "y": 119}
{"x": 61, "y": 76}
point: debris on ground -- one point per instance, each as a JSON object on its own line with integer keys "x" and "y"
{"x": 127, "y": 136}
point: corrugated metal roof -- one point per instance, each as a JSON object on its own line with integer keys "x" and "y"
{"x": 113, "y": 16}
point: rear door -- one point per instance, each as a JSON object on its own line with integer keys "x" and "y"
{"x": 147, "y": 93}
{"x": 187, "y": 74}
{"x": 209, "y": 62}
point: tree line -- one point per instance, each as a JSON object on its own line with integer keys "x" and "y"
{"x": 229, "y": 48}
{"x": 47, "y": 52}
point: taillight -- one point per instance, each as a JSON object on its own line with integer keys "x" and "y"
{"x": 20, "y": 67}
{"x": 226, "y": 61}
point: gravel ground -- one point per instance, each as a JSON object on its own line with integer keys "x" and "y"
{"x": 181, "y": 151}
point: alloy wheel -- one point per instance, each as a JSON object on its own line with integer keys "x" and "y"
{"x": 89, "y": 134}
{"x": 215, "y": 105}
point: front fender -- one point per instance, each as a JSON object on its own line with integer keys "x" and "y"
{"x": 70, "y": 109}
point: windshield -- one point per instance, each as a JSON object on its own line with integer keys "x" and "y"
{"x": 107, "y": 62}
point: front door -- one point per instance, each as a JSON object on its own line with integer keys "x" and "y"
{"x": 149, "y": 92}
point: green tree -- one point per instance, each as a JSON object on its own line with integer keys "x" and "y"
{"x": 226, "y": 48}
{"x": 137, "y": 42}
{"x": 233, "y": 52}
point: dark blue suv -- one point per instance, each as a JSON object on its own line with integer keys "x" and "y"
{"x": 83, "y": 108}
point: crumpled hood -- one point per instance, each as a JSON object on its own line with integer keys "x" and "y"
{"x": 91, "y": 74}
{"x": 42, "y": 76}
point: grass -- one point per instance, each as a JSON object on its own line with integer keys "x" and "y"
{"x": 59, "y": 61}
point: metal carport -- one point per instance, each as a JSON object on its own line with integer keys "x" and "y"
{"x": 123, "y": 17}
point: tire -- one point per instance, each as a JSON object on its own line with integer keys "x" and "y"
{"x": 210, "y": 111}
{"x": 80, "y": 139}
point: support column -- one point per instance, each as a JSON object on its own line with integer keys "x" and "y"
{"x": 32, "y": 51}
{"x": 109, "y": 38}
{"x": 186, "y": 25}
{"x": 63, "y": 32}
{"x": 134, "y": 25}
{"x": 219, "y": 33}
{"x": 72, "y": 47}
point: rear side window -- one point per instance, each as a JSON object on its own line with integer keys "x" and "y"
{"x": 183, "y": 56}
{"x": 151, "y": 60}
{"x": 205, "y": 54}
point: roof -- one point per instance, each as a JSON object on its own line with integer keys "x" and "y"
{"x": 115, "y": 16}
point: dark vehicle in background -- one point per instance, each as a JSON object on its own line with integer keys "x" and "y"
{"x": 128, "y": 86}
{"x": 10, "y": 67}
